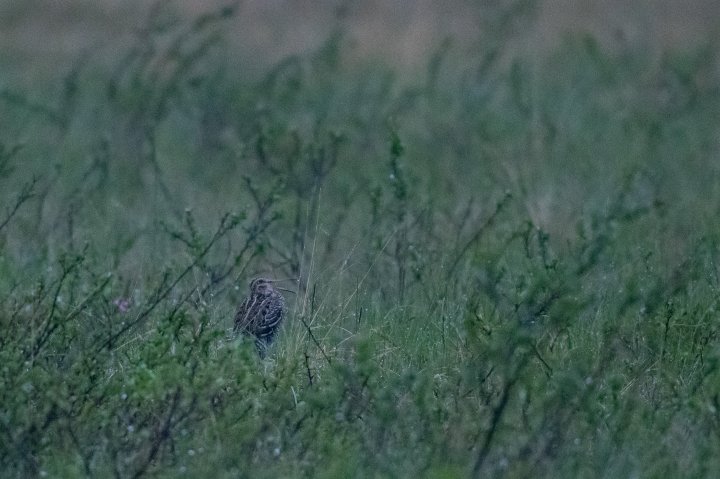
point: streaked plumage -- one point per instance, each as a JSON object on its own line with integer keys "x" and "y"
{"x": 261, "y": 313}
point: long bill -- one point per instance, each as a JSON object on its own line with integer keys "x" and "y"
{"x": 285, "y": 289}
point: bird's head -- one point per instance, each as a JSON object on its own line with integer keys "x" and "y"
{"x": 264, "y": 286}
{"x": 261, "y": 286}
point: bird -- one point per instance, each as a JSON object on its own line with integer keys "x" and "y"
{"x": 261, "y": 313}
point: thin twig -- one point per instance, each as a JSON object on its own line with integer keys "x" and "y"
{"x": 27, "y": 192}
{"x": 312, "y": 336}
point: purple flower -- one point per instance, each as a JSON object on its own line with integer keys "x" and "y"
{"x": 123, "y": 304}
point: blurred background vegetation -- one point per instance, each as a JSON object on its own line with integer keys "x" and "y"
{"x": 502, "y": 218}
{"x": 41, "y": 36}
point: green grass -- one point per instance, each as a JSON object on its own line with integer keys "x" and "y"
{"x": 507, "y": 265}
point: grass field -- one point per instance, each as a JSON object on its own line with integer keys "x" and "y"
{"x": 507, "y": 265}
